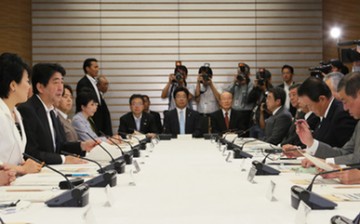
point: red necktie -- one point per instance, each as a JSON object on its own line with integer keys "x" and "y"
{"x": 226, "y": 120}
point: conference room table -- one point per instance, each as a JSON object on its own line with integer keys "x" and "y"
{"x": 182, "y": 181}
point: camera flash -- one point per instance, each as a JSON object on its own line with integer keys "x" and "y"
{"x": 335, "y": 32}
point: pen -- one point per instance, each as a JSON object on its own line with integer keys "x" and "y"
{"x": 77, "y": 175}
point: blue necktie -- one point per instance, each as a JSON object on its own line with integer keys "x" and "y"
{"x": 182, "y": 122}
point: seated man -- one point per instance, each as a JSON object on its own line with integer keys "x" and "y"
{"x": 227, "y": 119}
{"x": 155, "y": 114}
{"x": 44, "y": 132}
{"x": 137, "y": 120}
{"x": 278, "y": 124}
{"x": 182, "y": 120}
{"x": 302, "y": 112}
{"x": 349, "y": 92}
{"x": 336, "y": 125}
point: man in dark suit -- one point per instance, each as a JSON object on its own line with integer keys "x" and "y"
{"x": 137, "y": 120}
{"x": 227, "y": 119}
{"x": 182, "y": 120}
{"x": 278, "y": 124}
{"x": 44, "y": 132}
{"x": 336, "y": 125}
{"x": 349, "y": 153}
{"x": 287, "y": 72}
{"x": 102, "y": 117}
{"x": 155, "y": 114}
{"x": 302, "y": 112}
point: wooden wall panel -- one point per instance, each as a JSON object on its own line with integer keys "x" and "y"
{"x": 138, "y": 42}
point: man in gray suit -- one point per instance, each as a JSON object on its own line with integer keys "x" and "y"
{"x": 349, "y": 92}
{"x": 278, "y": 124}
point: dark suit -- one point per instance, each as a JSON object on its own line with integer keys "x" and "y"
{"x": 277, "y": 126}
{"x": 157, "y": 119}
{"x": 337, "y": 127}
{"x": 236, "y": 121}
{"x": 291, "y": 108}
{"x": 192, "y": 123}
{"x": 39, "y": 139}
{"x": 292, "y": 137}
{"x": 128, "y": 125}
{"x": 102, "y": 116}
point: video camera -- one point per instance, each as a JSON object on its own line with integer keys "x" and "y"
{"x": 318, "y": 71}
{"x": 349, "y": 54}
{"x": 263, "y": 75}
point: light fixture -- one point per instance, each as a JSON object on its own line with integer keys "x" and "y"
{"x": 335, "y": 32}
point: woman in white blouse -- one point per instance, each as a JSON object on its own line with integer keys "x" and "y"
{"x": 14, "y": 88}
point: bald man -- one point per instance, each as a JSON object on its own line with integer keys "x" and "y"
{"x": 227, "y": 119}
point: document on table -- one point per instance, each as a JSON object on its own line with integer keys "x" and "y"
{"x": 317, "y": 162}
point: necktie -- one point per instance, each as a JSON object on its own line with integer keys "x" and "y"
{"x": 182, "y": 122}
{"x": 227, "y": 120}
{"x": 56, "y": 128}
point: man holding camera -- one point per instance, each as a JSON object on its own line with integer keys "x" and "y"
{"x": 178, "y": 79}
{"x": 240, "y": 89}
{"x": 206, "y": 96}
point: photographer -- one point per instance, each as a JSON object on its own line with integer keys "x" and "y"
{"x": 257, "y": 96}
{"x": 177, "y": 79}
{"x": 241, "y": 88}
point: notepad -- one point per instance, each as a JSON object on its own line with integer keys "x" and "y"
{"x": 317, "y": 162}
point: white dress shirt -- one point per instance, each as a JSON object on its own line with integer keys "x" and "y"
{"x": 93, "y": 83}
{"x": 12, "y": 143}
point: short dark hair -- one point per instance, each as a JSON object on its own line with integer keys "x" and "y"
{"x": 87, "y": 63}
{"x": 313, "y": 88}
{"x": 181, "y": 89}
{"x": 181, "y": 68}
{"x": 206, "y": 69}
{"x": 42, "y": 72}
{"x": 12, "y": 68}
{"x": 279, "y": 94}
{"x": 68, "y": 87}
{"x": 288, "y": 67}
{"x": 146, "y": 97}
{"x": 84, "y": 97}
{"x": 294, "y": 86}
{"x": 351, "y": 84}
{"x": 135, "y": 96}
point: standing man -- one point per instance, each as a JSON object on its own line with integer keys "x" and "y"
{"x": 102, "y": 116}
{"x": 287, "y": 72}
{"x": 226, "y": 118}
{"x": 182, "y": 120}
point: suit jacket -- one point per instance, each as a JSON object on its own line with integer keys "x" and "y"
{"x": 277, "y": 126}
{"x": 101, "y": 117}
{"x": 192, "y": 123}
{"x": 236, "y": 122}
{"x": 157, "y": 119}
{"x": 337, "y": 127}
{"x": 291, "y": 108}
{"x": 70, "y": 133}
{"x": 292, "y": 137}
{"x": 39, "y": 140}
{"x": 348, "y": 154}
{"x": 128, "y": 125}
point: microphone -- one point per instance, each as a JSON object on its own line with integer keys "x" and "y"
{"x": 68, "y": 184}
{"x": 142, "y": 143}
{"x": 135, "y": 150}
{"x": 313, "y": 200}
{"x": 127, "y": 157}
{"x": 106, "y": 177}
{"x": 238, "y": 150}
{"x": 118, "y": 165}
{"x": 347, "y": 43}
{"x": 264, "y": 170}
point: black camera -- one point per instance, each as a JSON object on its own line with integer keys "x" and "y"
{"x": 318, "y": 71}
{"x": 243, "y": 72}
{"x": 205, "y": 76}
{"x": 179, "y": 76}
{"x": 263, "y": 76}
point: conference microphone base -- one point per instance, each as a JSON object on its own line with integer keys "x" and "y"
{"x": 313, "y": 200}
{"x": 239, "y": 154}
{"x": 102, "y": 180}
{"x": 76, "y": 197}
{"x": 118, "y": 166}
{"x": 73, "y": 183}
{"x": 264, "y": 170}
